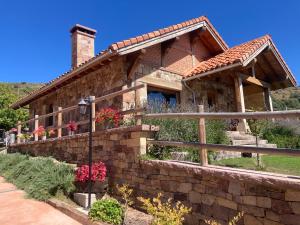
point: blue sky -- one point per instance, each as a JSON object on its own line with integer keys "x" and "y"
{"x": 35, "y": 39}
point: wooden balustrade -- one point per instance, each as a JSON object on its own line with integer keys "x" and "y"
{"x": 202, "y": 146}
{"x": 60, "y": 111}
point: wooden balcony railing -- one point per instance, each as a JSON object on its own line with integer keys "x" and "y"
{"x": 203, "y": 146}
{"x": 61, "y": 111}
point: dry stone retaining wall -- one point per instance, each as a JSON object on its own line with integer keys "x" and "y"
{"x": 266, "y": 199}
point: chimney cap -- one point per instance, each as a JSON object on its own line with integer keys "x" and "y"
{"x": 84, "y": 29}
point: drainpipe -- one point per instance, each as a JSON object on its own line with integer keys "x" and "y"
{"x": 191, "y": 90}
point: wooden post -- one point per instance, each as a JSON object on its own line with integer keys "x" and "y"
{"x": 140, "y": 95}
{"x": 93, "y": 105}
{"x": 268, "y": 99}
{"x": 240, "y": 102}
{"x": 202, "y": 138}
{"x": 19, "y": 127}
{"x": 59, "y": 122}
{"x": 36, "y": 126}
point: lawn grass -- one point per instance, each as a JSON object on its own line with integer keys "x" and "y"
{"x": 277, "y": 164}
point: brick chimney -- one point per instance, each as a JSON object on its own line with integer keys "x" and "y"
{"x": 82, "y": 44}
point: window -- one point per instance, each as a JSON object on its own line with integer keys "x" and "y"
{"x": 156, "y": 96}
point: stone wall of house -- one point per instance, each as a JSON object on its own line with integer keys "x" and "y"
{"x": 216, "y": 93}
{"x": 266, "y": 199}
{"x": 100, "y": 82}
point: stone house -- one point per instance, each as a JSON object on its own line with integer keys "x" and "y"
{"x": 187, "y": 63}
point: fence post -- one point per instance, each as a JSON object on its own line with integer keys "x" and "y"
{"x": 19, "y": 127}
{"x": 140, "y": 95}
{"x": 93, "y": 105}
{"x": 36, "y": 126}
{"x": 59, "y": 122}
{"x": 202, "y": 138}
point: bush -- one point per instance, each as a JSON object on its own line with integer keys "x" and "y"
{"x": 165, "y": 213}
{"x": 278, "y": 133}
{"x": 184, "y": 130}
{"x": 107, "y": 210}
{"x": 41, "y": 178}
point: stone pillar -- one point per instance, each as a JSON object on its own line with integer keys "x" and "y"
{"x": 268, "y": 99}
{"x": 240, "y": 103}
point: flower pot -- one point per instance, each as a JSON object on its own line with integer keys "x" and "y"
{"x": 44, "y": 138}
{"x": 108, "y": 125}
{"x": 97, "y": 186}
{"x": 71, "y": 132}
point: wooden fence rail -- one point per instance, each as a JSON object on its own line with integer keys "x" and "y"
{"x": 202, "y": 146}
{"x": 60, "y": 111}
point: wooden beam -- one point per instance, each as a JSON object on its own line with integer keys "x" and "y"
{"x": 135, "y": 64}
{"x": 254, "y": 80}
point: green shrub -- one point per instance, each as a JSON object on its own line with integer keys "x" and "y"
{"x": 276, "y": 132}
{"x": 185, "y": 130}
{"x": 41, "y": 178}
{"x": 107, "y": 210}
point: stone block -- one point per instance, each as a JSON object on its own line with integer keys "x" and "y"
{"x": 227, "y": 203}
{"x": 234, "y": 188}
{"x": 195, "y": 197}
{"x": 199, "y": 188}
{"x": 295, "y": 207}
{"x": 271, "y": 222}
{"x": 272, "y": 216}
{"x": 290, "y": 219}
{"x": 281, "y": 207}
{"x": 251, "y": 220}
{"x": 82, "y": 199}
{"x": 248, "y": 200}
{"x": 263, "y": 202}
{"x": 255, "y": 211}
{"x": 292, "y": 195}
{"x": 208, "y": 199}
{"x": 185, "y": 187}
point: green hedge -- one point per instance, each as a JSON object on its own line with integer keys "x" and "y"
{"x": 41, "y": 178}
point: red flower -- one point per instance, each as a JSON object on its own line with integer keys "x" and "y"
{"x": 72, "y": 126}
{"x": 98, "y": 172}
{"x": 40, "y": 131}
{"x": 110, "y": 115}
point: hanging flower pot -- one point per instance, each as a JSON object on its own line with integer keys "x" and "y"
{"x": 108, "y": 118}
{"x": 72, "y": 127}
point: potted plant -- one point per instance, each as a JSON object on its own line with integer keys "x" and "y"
{"x": 108, "y": 117}
{"x": 72, "y": 127}
{"x": 12, "y": 133}
{"x": 99, "y": 182}
{"x": 41, "y": 132}
{"x": 50, "y": 133}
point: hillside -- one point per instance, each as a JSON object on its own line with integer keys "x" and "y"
{"x": 22, "y": 88}
{"x": 288, "y": 98}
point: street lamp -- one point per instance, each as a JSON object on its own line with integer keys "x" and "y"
{"x": 83, "y": 105}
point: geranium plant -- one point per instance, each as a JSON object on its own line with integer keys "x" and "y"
{"x": 40, "y": 131}
{"x": 108, "y": 115}
{"x": 98, "y": 172}
{"x": 50, "y": 132}
{"x": 72, "y": 126}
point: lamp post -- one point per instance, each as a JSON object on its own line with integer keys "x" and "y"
{"x": 83, "y": 105}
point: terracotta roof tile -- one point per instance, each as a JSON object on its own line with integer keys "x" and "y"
{"x": 169, "y": 29}
{"x": 239, "y": 53}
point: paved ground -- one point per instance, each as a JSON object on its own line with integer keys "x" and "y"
{"x": 16, "y": 209}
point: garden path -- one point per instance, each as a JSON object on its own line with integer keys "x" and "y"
{"x": 16, "y": 209}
